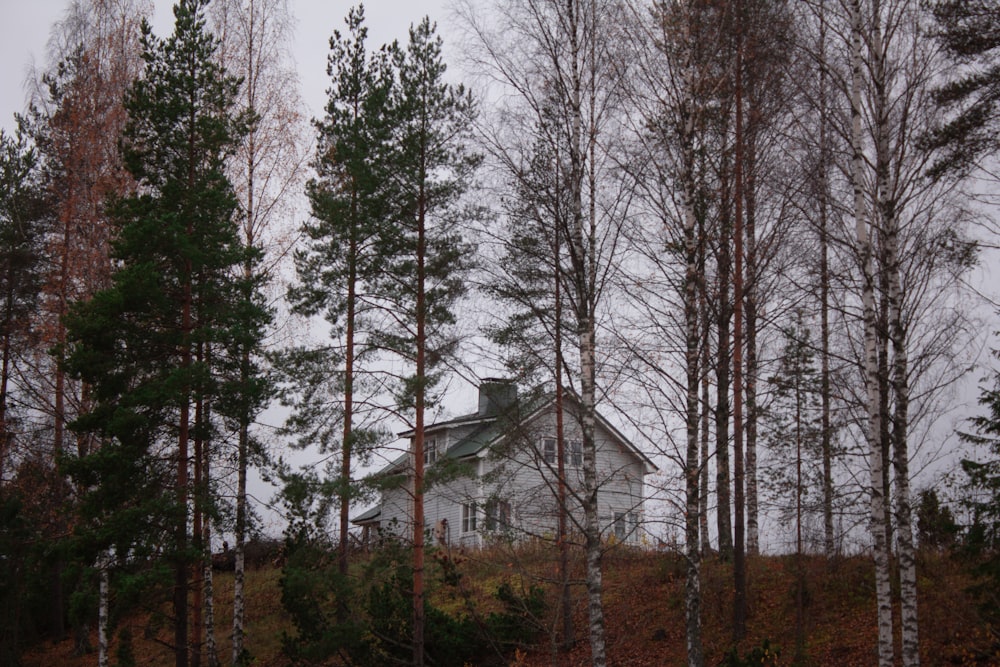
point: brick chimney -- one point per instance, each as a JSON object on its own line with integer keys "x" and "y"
{"x": 496, "y": 395}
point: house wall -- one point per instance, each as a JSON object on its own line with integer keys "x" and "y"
{"x": 516, "y": 473}
{"x": 519, "y": 474}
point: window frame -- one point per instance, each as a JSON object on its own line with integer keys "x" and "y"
{"x": 575, "y": 453}
{"x": 497, "y": 515}
{"x": 550, "y": 450}
{"x": 470, "y": 511}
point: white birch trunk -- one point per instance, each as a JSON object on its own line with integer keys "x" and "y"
{"x": 878, "y": 518}
{"x": 103, "y": 604}
{"x": 696, "y": 358}
{"x": 692, "y": 584}
{"x": 239, "y": 606}
{"x": 581, "y": 245}
{"x": 889, "y": 220}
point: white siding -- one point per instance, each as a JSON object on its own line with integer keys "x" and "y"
{"x": 516, "y": 473}
{"x": 521, "y": 475}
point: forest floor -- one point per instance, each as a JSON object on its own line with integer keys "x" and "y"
{"x": 644, "y": 609}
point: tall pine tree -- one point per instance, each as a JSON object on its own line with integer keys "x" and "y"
{"x": 140, "y": 343}
{"x": 431, "y": 168}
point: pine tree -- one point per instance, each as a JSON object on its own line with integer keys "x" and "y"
{"x": 983, "y": 475}
{"x": 969, "y": 30}
{"x": 431, "y": 168}
{"x": 23, "y": 223}
{"x": 138, "y": 343}
{"x": 350, "y": 207}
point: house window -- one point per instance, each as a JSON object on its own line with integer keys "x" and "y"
{"x": 430, "y": 451}
{"x": 549, "y": 450}
{"x": 469, "y": 518}
{"x": 574, "y": 457}
{"x": 497, "y": 515}
{"x": 626, "y": 526}
{"x": 576, "y": 453}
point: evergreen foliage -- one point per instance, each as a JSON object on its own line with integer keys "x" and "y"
{"x": 969, "y": 30}
{"x": 791, "y": 422}
{"x": 936, "y": 527}
{"x": 983, "y": 481}
{"x": 374, "y": 632}
{"x": 431, "y": 167}
{"x": 24, "y": 221}
{"x": 142, "y": 345}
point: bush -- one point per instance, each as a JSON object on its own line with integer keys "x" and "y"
{"x": 765, "y": 654}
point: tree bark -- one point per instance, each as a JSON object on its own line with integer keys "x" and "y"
{"x": 871, "y": 375}
{"x": 889, "y": 222}
{"x": 739, "y": 501}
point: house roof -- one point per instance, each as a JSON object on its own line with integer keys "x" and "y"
{"x": 491, "y": 428}
{"x": 369, "y": 516}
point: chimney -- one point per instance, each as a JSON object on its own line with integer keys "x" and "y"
{"x": 496, "y": 395}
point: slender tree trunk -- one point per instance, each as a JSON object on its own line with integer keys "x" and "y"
{"x": 348, "y": 437}
{"x": 565, "y": 595}
{"x": 583, "y": 258}
{"x": 722, "y": 375}
{"x": 180, "y": 529}
{"x": 739, "y": 504}
{"x": 799, "y": 573}
{"x": 750, "y": 315}
{"x": 418, "y": 433}
{"x": 211, "y": 646}
{"x": 697, "y": 346}
{"x": 197, "y": 532}
{"x": 706, "y": 356}
{"x": 103, "y": 605}
{"x": 5, "y": 375}
{"x": 878, "y": 519}
{"x": 826, "y": 434}
{"x": 889, "y": 222}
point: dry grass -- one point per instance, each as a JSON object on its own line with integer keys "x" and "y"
{"x": 644, "y": 609}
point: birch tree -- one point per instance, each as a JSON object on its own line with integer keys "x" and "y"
{"x": 76, "y": 118}
{"x": 267, "y": 170}
{"x": 561, "y": 59}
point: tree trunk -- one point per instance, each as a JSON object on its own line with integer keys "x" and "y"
{"x": 696, "y": 360}
{"x": 418, "y": 433}
{"x": 878, "y": 519}
{"x": 565, "y": 594}
{"x": 739, "y": 502}
{"x": 889, "y": 220}
{"x": 722, "y": 377}
{"x": 706, "y": 357}
{"x": 826, "y": 434}
{"x": 103, "y": 604}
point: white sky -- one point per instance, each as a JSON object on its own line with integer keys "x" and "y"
{"x": 26, "y": 24}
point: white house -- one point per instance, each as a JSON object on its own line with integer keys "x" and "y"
{"x": 492, "y": 474}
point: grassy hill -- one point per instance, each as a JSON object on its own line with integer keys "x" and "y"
{"x": 644, "y": 609}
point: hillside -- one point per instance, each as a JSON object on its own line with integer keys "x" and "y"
{"x": 644, "y": 607}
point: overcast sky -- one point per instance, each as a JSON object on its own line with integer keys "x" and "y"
{"x": 27, "y": 24}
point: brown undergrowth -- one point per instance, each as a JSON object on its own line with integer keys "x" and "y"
{"x": 644, "y": 607}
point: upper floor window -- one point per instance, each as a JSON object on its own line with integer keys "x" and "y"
{"x": 430, "y": 451}
{"x": 574, "y": 452}
{"x": 549, "y": 450}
